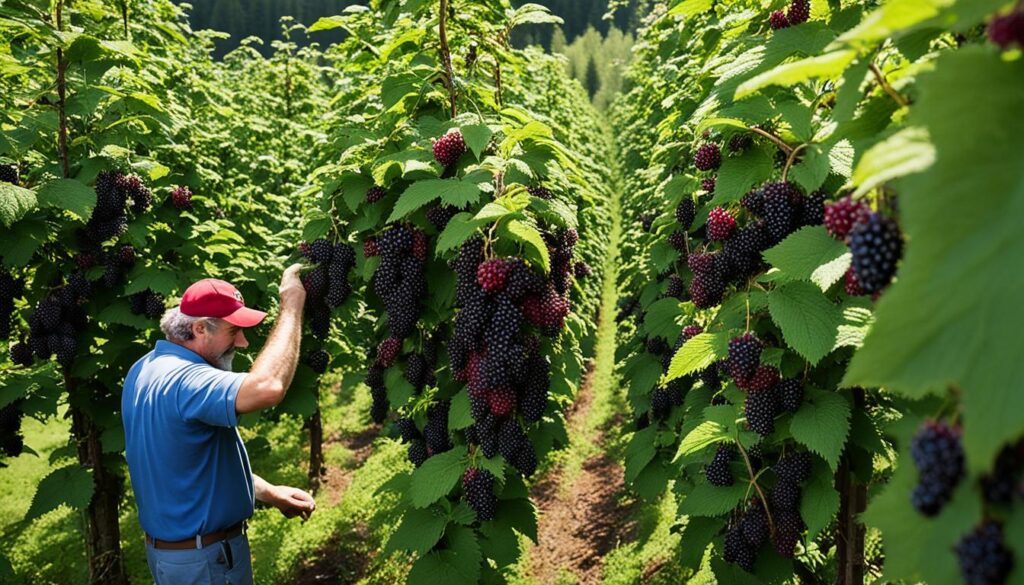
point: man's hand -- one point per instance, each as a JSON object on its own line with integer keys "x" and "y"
{"x": 291, "y": 501}
{"x": 291, "y": 289}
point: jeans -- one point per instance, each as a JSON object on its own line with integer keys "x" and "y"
{"x": 227, "y": 562}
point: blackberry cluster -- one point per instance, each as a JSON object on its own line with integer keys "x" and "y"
{"x": 561, "y": 247}
{"x": 777, "y": 20}
{"x": 375, "y": 194}
{"x": 761, "y": 406}
{"x": 9, "y": 174}
{"x": 11, "y": 441}
{"x": 799, "y": 11}
{"x": 408, "y": 432}
{"x": 58, "y": 319}
{"x": 478, "y": 488}
{"x": 449, "y": 148}
{"x": 318, "y": 360}
{"x": 708, "y": 157}
{"x": 148, "y": 303}
{"x": 721, "y": 224}
{"x": 983, "y": 557}
{"x": 10, "y": 289}
{"x": 718, "y": 472}
{"x": 876, "y": 245}
{"x": 686, "y": 212}
{"x": 1007, "y": 476}
{"x": 1006, "y": 30}
{"x": 326, "y": 284}
{"x": 791, "y": 394}
{"x": 494, "y": 354}
{"x": 791, "y": 470}
{"x": 440, "y": 215}
{"x": 540, "y": 192}
{"x": 744, "y": 356}
{"x": 676, "y": 288}
{"x": 400, "y": 279}
{"x": 842, "y": 215}
{"x": 709, "y": 279}
{"x": 181, "y": 198}
{"x": 109, "y": 219}
{"x": 737, "y": 550}
{"x": 939, "y": 458}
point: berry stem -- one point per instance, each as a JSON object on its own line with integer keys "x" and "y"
{"x": 446, "y": 55}
{"x": 753, "y": 481}
{"x": 790, "y": 160}
{"x": 778, "y": 141}
{"x": 895, "y": 95}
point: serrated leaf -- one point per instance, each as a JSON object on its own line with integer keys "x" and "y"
{"x": 535, "y": 246}
{"x": 904, "y": 153}
{"x": 71, "y": 485}
{"x": 698, "y": 353}
{"x": 477, "y": 136}
{"x": 660, "y": 320}
{"x": 459, "y": 416}
{"x": 499, "y": 542}
{"x": 812, "y": 170}
{"x": 639, "y": 452}
{"x": 819, "y": 502}
{"x": 739, "y": 173}
{"x": 317, "y": 225}
{"x": 15, "y": 202}
{"x": 70, "y": 195}
{"x": 708, "y": 500}
{"x": 435, "y": 478}
{"x": 830, "y": 66}
{"x": 704, "y": 435}
{"x": 809, "y": 321}
{"x": 952, "y": 317}
{"x": 822, "y": 424}
{"x": 458, "y": 230}
{"x": 165, "y": 282}
{"x": 419, "y": 531}
{"x": 810, "y": 254}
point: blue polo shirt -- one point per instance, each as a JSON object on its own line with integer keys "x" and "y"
{"x": 189, "y": 469}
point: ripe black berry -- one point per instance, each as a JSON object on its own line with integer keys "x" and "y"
{"x": 686, "y": 211}
{"x": 983, "y": 558}
{"x": 876, "y": 245}
{"x": 318, "y": 360}
{"x": 1007, "y": 29}
{"x": 744, "y": 356}
{"x": 778, "y": 20}
{"x": 760, "y": 409}
{"x": 9, "y": 173}
{"x": 754, "y": 524}
{"x": 181, "y": 198}
{"x": 939, "y": 458}
{"x": 779, "y": 216}
{"x": 737, "y": 550}
{"x": 375, "y": 194}
{"x": 785, "y": 495}
{"x": 799, "y": 11}
{"x": 478, "y": 487}
{"x": 788, "y": 528}
{"x": 791, "y": 394}
{"x": 794, "y": 466}
{"x": 718, "y": 471}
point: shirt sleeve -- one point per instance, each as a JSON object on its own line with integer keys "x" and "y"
{"x": 207, "y": 395}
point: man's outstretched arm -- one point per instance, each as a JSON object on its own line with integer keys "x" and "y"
{"x": 272, "y": 372}
{"x": 291, "y": 501}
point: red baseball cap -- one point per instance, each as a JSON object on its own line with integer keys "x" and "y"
{"x": 215, "y": 298}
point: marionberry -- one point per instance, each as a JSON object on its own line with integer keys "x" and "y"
{"x": 721, "y": 224}
{"x": 876, "y": 245}
{"x": 842, "y": 215}
{"x": 760, "y": 409}
{"x": 418, "y": 452}
{"x": 765, "y": 378}
{"x": 686, "y": 211}
{"x": 21, "y": 354}
{"x": 789, "y": 527}
{"x": 799, "y": 11}
{"x": 708, "y": 184}
{"x": 449, "y": 148}
{"x": 785, "y": 495}
{"x": 778, "y": 20}
{"x": 387, "y": 351}
{"x": 939, "y": 457}
{"x": 738, "y": 550}
{"x": 778, "y": 211}
{"x": 491, "y": 274}
{"x": 791, "y": 394}
{"x": 478, "y": 486}
{"x": 983, "y": 557}
{"x": 375, "y": 194}
{"x": 718, "y": 472}
{"x": 740, "y": 142}
{"x": 9, "y": 173}
{"x": 744, "y": 356}
{"x": 794, "y": 466}
{"x": 754, "y": 524}
{"x": 540, "y": 192}
{"x": 181, "y": 198}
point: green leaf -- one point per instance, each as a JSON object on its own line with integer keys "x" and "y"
{"x": 639, "y": 452}
{"x": 952, "y": 317}
{"x": 809, "y": 321}
{"x": 830, "y": 66}
{"x": 690, "y": 8}
{"x": 477, "y": 136}
{"x": 70, "y": 195}
{"x": 704, "y": 435}
{"x": 498, "y": 541}
{"x": 419, "y": 531}
{"x": 399, "y": 389}
{"x": 904, "y": 153}
{"x": 811, "y": 172}
{"x": 698, "y": 353}
{"x": 459, "y": 416}
{"x": 739, "y": 173}
{"x": 536, "y": 249}
{"x": 71, "y": 485}
{"x": 660, "y": 320}
{"x": 819, "y": 502}
{"x": 163, "y": 281}
{"x": 708, "y": 500}
{"x": 822, "y": 424}
{"x": 317, "y": 225}
{"x": 811, "y": 254}
{"x": 435, "y": 478}
{"x": 459, "y": 229}
{"x": 15, "y": 202}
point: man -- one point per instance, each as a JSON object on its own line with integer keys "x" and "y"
{"x": 189, "y": 469}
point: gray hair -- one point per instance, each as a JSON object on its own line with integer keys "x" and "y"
{"x": 177, "y": 326}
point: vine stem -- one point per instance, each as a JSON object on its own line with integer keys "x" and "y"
{"x": 895, "y": 95}
{"x": 62, "y": 133}
{"x": 747, "y": 330}
{"x": 790, "y": 160}
{"x": 753, "y": 482}
{"x": 446, "y": 56}
{"x": 778, "y": 141}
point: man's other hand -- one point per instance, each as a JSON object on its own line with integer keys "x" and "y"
{"x": 292, "y": 502}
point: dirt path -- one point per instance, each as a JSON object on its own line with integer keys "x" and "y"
{"x": 337, "y": 561}
{"x": 579, "y": 523}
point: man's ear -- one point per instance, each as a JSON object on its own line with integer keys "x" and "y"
{"x": 198, "y": 328}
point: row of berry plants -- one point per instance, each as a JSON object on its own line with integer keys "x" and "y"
{"x": 473, "y": 224}
{"x": 774, "y": 158}
{"x": 117, "y": 192}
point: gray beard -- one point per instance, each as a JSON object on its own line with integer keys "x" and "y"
{"x": 225, "y": 360}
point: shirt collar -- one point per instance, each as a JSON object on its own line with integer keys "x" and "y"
{"x": 164, "y": 346}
